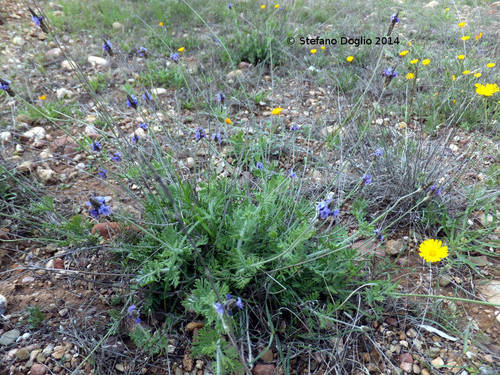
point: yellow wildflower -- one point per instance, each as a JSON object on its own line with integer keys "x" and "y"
{"x": 323, "y": 48}
{"x": 479, "y": 36}
{"x": 490, "y": 65}
{"x": 465, "y": 37}
{"x": 43, "y": 97}
{"x": 410, "y": 76}
{"x": 453, "y": 77}
{"x": 228, "y": 121}
{"x": 446, "y": 9}
{"x": 277, "y": 111}
{"x": 276, "y": 6}
{"x": 414, "y": 61}
{"x": 263, "y": 6}
{"x": 403, "y": 53}
{"x": 181, "y": 49}
{"x": 454, "y": 101}
{"x": 432, "y": 251}
{"x": 462, "y": 24}
{"x": 461, "y": 57}
{"x": 488, "y": 90}
{"x": 477, "y": 75}
{"x": 313, "y": 51}
{"x": 160, "y": 24}
{"x": 350, "y": 58}
{"x": 465, "y": 72}
{"x": 426, "y": 62}
{"x": 409, "y": 44}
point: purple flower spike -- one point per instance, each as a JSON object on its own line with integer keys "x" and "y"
{"x": 379, "y": 152}
{"x": 142, "y": 51}
{"x": 228, "y": 296}
{"x": 294, "y": 127}
{"x": 116, "y": 157}
{"x": 130, "y": 309}
{"x": 259, "y": 165}
{"x": 217, "y": 137}
{"x": 395, "y": 18}
{"x": 174, "y": 56}
{"x": 103, "y": 173}
{"x": 219, "y": 307}
{"x": 367, "y": 179}
{"x": 221, "y": 97}
{"x": 239, "y": 303}
{"x": 131, "y": 101}
{"x": 146, "y": 97}
{"x": 107, "y": 47}
{"x": 292, "y": 174}
{"x": 137, "y": 320}
{"x": 143, "y": 125}
{"x": 390, "y": 73}
{"x": 200, "y": 133}
{"x": 135, "y": 138}
{"x": 96, "y": 146}
{"x": 230, "y": 6}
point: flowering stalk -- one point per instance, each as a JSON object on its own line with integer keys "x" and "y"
{"x": 412, "y": 92}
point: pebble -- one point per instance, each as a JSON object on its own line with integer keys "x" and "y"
{"x": 96, "y": 60}
{"x": 393, "y": 247}
{"x": 9, "y": 337}
{"x": 190, "y": 162}
{"x": 117, "y": 25}
{"x": 46, "y": 154}
{"x": 37, "y": 133}
{"x": 38, "y": 369}
{"x": 158, "y": 91}
{"x": 18, "y": 41}
{"x": 48, "y": 350}
{"x": 263, "y": 369}
{"x": 445, "y": 280}
{"x": 120, "y": 367}
{"x": 411, "y": 333}
{"x": 58, "y": 352}
{"x": 5, "y": 136}
{"x": 431, "y": 4}
{"x": 19, "y": 148}
{"x": 63, "y": 312}
{"x": 53, "y": 53}
{"x": 453, "y": 147}
{"x": 47, "y": 175}
{"x": 22, "y": 354}
{"x": 62, "y": 93}
{"x": 140, "y": 132}
{"x": 66, "y": 65}
{"x": 3, "y": 304}
{"x": 235, "y": 74}
{"x": 91, "y": 131}
{"x": 27, "y": 279}
{"x": 437, "y": 362}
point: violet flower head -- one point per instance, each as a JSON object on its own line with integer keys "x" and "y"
{"x": 395, "y": 18}
{"x": 221, "y": 97}
{"x": 98, "y": 207}
{"x": 143, "y": 125}
{"x": 142, "y": 51}
{"x": 131, "y": 101}
{"x": 135, "y": 138}
{"x": 130, "y": 309}
{"x": 294, "y": 127}
{"x": 324, "y": 211}
{"x": 38, "y": 20}
{"x": 367, "y": 179}
{"x": 228, "y": 296}
{"x": 107, "y": 47}
{"x": 96, "y": 146}
{"x": 146, "y": 97}
{"x": 390, "y": 73}
{"x": 259, "y": 165}
{"x": 217, "y": 137}
{"x": 292, "y": 174}
{"x": 230, "y": 6}
{"x": 219, "y": 307}
{"x": 5, "y": 86}
{"x": 379, "y": 152}
{"x": 239, "y": 303}
{"x": 103, "y": 173}
{"x": 116, "y": 157}
{"x": 174, "y": 56}
{"x": 137, "y": 320}
{"x": 199, "y": 133}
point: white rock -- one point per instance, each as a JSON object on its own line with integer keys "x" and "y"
{"x": 46, "y": 174}
{"x": 190, "y": 162}
{"x": 453, "y": 147}
{"x": 46, "y": 154}
{"x": 27, "y": 279}
{"x": 91, "y": 131}
{"x": 140, "y": 133}
{"x": 159, "y": 91}
{"x": 96, "y": 60}
{"x": 18, "y": 41}
{"x": 66, "y": 65}
{"x": 53, "y": 53}
{"x": 431, "y": 4}
{"x": 19, "y": 148}
{"x": 6, "y": 136}
{"x": 235, "y": 74}
{"x": 80, "y": 166}
{"x": 37, "y": 133}
{"x": 117, "y": 25}
{"x": 62, "y": 93}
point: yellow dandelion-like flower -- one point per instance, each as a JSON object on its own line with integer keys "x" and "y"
{"x": 426, "y": 62}
{"x": 160, "y": 24}
{"x": 323, "y": 48}
{"x": 228, "y": 121}
{"x": 477, "y": 75}
{"x": 276, "y": 6}
{"x": 486, "y": 90}
{"x": 446, "y": 9}
{"x": 409, "y": 44}
{"x": 410, "y": 76}
{"x": 350, "y": 58}
{"x": 479, "y": 36}
{"x": 432, "y": 251}
{"x": 465, "y": 37}
{"x": 181, "y": 49}
{"x": 454, "y": 101}
{"x": 453, "y": 77}
{"x": 263, "y": 6}
{"x": 465, "y": 72}
{"x": 43, "y": 97}
{"x": 277, "y": 111}
{"x": 414, "y": 61}
{"x": 313, "y": 51}
{"x": 403, "y": 53}
{"x": 462, "y": 24}
{"x": 461, "y": 57}
{"x": 490, "y": 65}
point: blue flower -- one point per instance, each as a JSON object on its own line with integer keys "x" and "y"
{"x": 367, "y": 179}
{"x": 436, "y": 190}
{"x": 103, "y": 173}
{"x": 98, "y": 207}
{"x": 96, "y": 146}
{"x": 230, "y": 6}
{"x": 116, "y": 157}
{"x": 217, "y": 137}
{"x": 394, "y": 18}
{"x": 137, "y": 320}
{"x": 143, "y": 125}
{"x": 219, "y": 307}
{"x": 104, "y": 210}
{"x": 142, "y": 51}
{"x": 379, "y": 152}
{"x": 221, "y": 97}
{"x": 130, "y": 309}
{"x": 135, "y": 138}
{"x": 292, "y": 174}
{"x": 390, "y": 73}
{"x": 239, "y": 303}
{"x": 132, "y": 101}
{"x": 324, "y": 211}
{"x": 107, "y": 47}
{"x": 4, "y": 84}
{"x": 174, "y": 56}
{"x": 377, "y": 233}
{"x": 38, "y": 20}
{"x": 259, "y": 165}
{"x": 146, "y": 96}
{"x": 200, "y": 133}
{"x": 294, "y": 127}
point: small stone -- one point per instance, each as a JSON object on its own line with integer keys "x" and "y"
{"x": 263, "y": 369}
{"x": 453, "y": 147}
{"x": 416, "y": 368}
{"x": 268, "y": 356}
{"x": 191, "y": 326}
{"x": 96, "y": 60}
{"x": 379, "y": 121}
{"x": 91, "y": 131}
{"x": 106, "y": 230}
{"x": 437, "y": 362}
{"x": 244, "y": 65}
{"x": 66, "y": 65}
{"x": 19, "y": 148}
{"x": 406, "y": 362}
{"x": 47, "y": 175}
{"x": 199, "y": 364}
{"x": 27, "y": 279}
{"x": 22, "y": 354}
{"x": 48, "y": 350}
{"x": 425, "y": 372}
{"x": 431, "y": 4}
{"x": 37, "y": 369}
{"x": 58, "y": 352}
{"x": 45, "y": 155}
{"x": 158, "y": 91}
{"x": 445, "y": 280}
{"x": 63, "y": 312}
{"x": 480, "y": 261}
{"x": 3, "y": 304}
{"x": 117, "y": 25}
{"x": 187, "y": 362}
{"x": 62, "y": 93}
{"x": 190, "y": 162}
{"x": 6, "y": 136}
{"x": 18, "y": 41}
{"x": 36, "y": 134}
{"x": 235, "y": 74}
{"x": 393, "y": 247}
{"x": 53, "y": 53}
{"x": 120, "y": 367}
{"x": 140, "y": 132}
